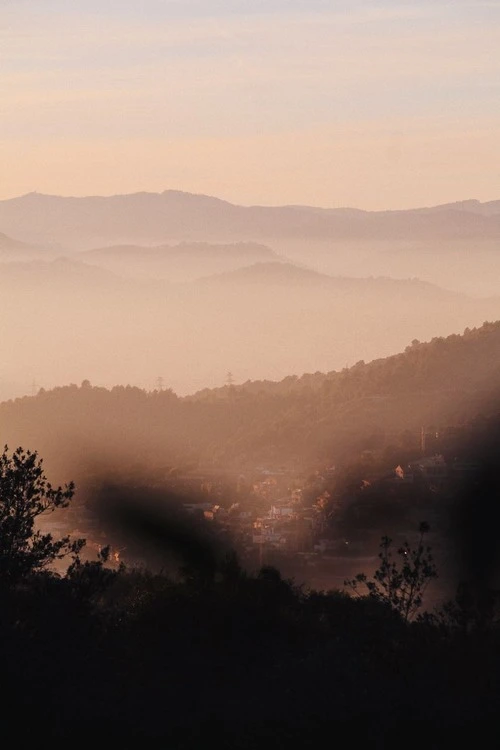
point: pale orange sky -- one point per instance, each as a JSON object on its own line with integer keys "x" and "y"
{"x": 376, "y": 105}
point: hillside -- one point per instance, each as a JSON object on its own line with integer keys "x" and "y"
{"x": 297, "y": 422}
{"x": 284, "y": 274}
{"x": 12, "y": 249}
{"x": 8, "y": 243}
{"x": 269, "y": 273}
{"x": 173, "y": 215}
{"x": 65, "y": 320}
{"x": 181, "y": 262}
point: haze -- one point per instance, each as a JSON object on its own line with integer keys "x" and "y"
{"x": 195, "y": 119}
{"x": 178, "y": 289}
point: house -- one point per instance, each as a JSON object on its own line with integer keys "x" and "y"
{"x": 197, "y": 507}
{"x": 245, "y": 515}
{"x": 281, "y": 511}
{"x": 403, "y": 475}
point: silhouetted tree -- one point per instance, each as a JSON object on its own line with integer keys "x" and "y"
{"x": 25, "y": 494}
{"x": 91, "y": 578}
{"x": 401, "y": 584}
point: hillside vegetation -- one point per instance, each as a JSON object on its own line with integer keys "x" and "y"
{"x": 298, "y": 421}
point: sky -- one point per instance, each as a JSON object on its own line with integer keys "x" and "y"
{"x": 350, "y": 103}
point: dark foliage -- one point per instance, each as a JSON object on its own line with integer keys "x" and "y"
{"x": 237, "y": 660}
{"x": 400, "y": 584}
{"x": 25, "y": 495}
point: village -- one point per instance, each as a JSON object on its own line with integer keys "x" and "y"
{"x": 311, "y": 525}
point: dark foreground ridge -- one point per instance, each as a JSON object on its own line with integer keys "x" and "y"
{"x": 216, "y": 655}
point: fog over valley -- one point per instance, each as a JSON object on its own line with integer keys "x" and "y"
{"x": 266, "y": 293}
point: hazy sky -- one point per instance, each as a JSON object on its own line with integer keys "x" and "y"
{"x": 356, "y": 102}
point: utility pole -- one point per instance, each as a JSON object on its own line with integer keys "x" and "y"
{"x": 230, "y": 385}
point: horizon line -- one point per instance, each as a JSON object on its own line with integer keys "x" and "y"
{"x": 344, "y": 207}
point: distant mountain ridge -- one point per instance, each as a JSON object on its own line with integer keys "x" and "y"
{"x": 291, "y": 274}
{"x": 9, "y": 242}
{"x": 13, "y": 249}
{"x": 175, "y": 215}
{"x": 72, "y": 320}
{"x": 184, "y": 261}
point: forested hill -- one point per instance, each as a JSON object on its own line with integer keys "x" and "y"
{"x": 299, "y": 421}
{"x": 445, "y": 362}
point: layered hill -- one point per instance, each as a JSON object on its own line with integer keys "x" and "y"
{"x": 297, "y": 422}
{"x": 63, "y": 321}
{"x": 182, "y": 262}
{"x": 174, "y": 215}
{"x": 12, "y": 249}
